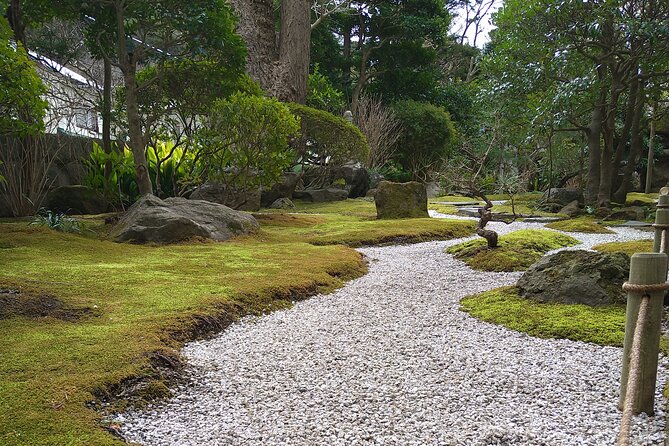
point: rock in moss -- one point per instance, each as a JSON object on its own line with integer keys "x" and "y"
{"x": 151, "y": 219}
{"x": 401, "y": 200}
{"x": 577, "y": 277}
{"x": 516, "y": 251}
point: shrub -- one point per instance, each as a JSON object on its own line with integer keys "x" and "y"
{"x": 21, "y": 107}
{"x": 428, "y": 135}
{"x": 57, "y": 221}
{"x": 322, "y": 95}
{"x": 329, "y": 139}
{"x": 245, "y": 142}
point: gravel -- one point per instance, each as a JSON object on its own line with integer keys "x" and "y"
{"x": 390, "y": 360}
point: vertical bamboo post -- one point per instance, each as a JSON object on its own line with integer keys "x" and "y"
{"x": 662, "y": 220}
{"x": 645, "y": 269}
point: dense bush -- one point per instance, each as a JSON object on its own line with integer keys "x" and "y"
{"x": 245, "y": 141}
{"x": 329, "y": 139}
{"x": 21, "y": 106}
{"x": 322, "y": 95}
{"x": 428, "y": 135}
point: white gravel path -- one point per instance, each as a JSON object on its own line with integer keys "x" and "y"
{"x": 390, "y": 360}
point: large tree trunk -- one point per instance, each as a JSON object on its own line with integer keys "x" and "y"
{"x": 294, "y": 46}
{"x": 128, "y": 66}
{"x": 257, "y": 27}
{"x": 627, "y": 126}
{"x": 281, "y": 67}
{"x": 15, "y": 18}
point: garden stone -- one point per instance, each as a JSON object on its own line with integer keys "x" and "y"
{"x": 282, "y": 203}
{"x": 151, "y": 219}
{"x": 628, "y": 213}
{"x": 572, "y": 209}
{"x": 321, "y": 195}
{"x": 577, "y": 277}
{"x": 242, "y": 200}
{"x": 563, "y": 195}
{"x": 357, "y": 179}
{"x": 75, "y": 200}
{"x": 401, "y": 200}
{"x": 284, "y": 188}
{"x": 371, "y": 193}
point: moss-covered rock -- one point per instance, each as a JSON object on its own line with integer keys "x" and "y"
{"x": 583, "y": 224}
{"x": 516, "y": 251}
{"x": 401, "y": 200}
{"x": 604, "y": 325}
{"x": 577, "y": 277}
{"x": 628, "y": 248}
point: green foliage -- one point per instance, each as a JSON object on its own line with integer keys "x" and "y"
{"x": 516, "y": 251}
{"x": 328, "y": 138}
{"x": 603, "y": 325}
{"x": 21, "y": 107}
{"x": 245, "y": 142}
{"x": 428, "y": 136}
{"x": 120, "y": 187}
{"x": 57, "y": 221}
{"x": 582, "y": 224}
{"x": 322, "y": 95}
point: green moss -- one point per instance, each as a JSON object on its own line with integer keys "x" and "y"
{"x": 443, "y": 208}
{"x": 628, "y": 248}
{"x": 454, "y": 199}
{"x": 604, "y": 325}
{"x": 152, "y": 298}
{"x": 650, "y": 199}
{"x": 516, "y": 251}
{"x": 581, "y": 224}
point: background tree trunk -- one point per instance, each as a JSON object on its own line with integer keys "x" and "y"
{"x": 280, "y": 66}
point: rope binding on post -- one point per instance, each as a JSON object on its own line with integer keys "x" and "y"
{"x": 646, "y": 289}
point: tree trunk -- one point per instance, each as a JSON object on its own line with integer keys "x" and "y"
{"x": 651, "y": 153}
{"x": 106, "y": 116}
{"x": 635, "y": 147}
{"x": 15, "y": 18}
{"x": 594, "y": 149}
{"x": 294, "y": 45}
{"x": 608, "y": 132}
{"x": 625, "y": 134}
{"x": 281, "y": 68}
{"x": 257, "y": 27}
{"x": 128, "y": 65}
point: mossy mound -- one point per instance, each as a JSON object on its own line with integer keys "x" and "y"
{"x": 516, "y": 251}
{"x": 628, "y": 248}
{"x": 637, "y": 198}
{"x": 582, "y": 224}
{"x": 603, "y": 325}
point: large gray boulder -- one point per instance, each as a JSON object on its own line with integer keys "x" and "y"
{"x": 151, "y": 219}
{"x": 284, "y": 188}
{"x": 241, "y": 200}
{"x": 563, "y": 195}
{"x": 321, "y": 195}
{"x": 401, "y": 200}
{"x": 577, "y": 277}
{"x": 75, "y": 200}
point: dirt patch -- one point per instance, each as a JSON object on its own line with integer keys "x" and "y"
{"x": 16, "y": 303}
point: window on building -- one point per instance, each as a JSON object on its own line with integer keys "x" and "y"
{"x": 88, "y": 119}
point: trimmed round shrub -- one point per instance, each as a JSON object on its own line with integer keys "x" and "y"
{"x": 428, "y": 135}
{"x": 329, "y": 139}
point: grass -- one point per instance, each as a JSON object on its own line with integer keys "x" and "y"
{"x": 604, "y": 325}
{"x": 580, "y": 224}
{"x": 130, "y": 304}
{"x": 516, "y": 251}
